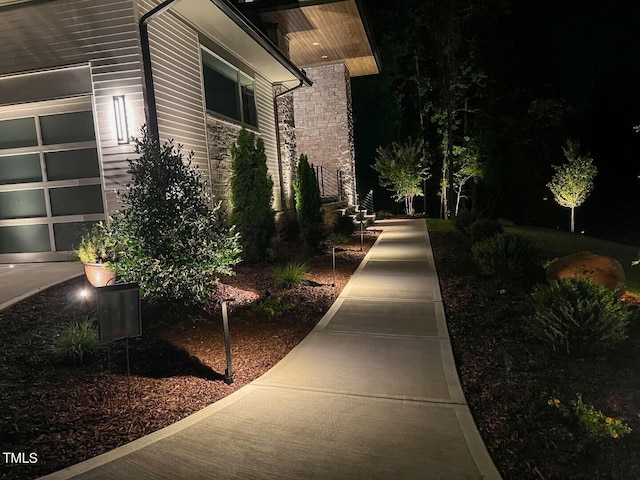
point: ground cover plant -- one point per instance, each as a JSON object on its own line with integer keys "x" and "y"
{"x": 543, "y": 414}
{"x": 66, "y": 413}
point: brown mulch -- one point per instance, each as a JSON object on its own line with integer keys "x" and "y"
{"x": 66, "y": 414}
{"x": 508, "y": 378}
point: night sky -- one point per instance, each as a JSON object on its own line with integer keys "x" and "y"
{"x": 585, "y": 52}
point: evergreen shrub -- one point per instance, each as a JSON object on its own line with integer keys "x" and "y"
{"x": 251, "y": 196}
{"x": 308, "y": 204}
{"x": 172, "y": 241}
{"x": 506, "y": 256}
{"x": 464, "y": 220}
{"x": 578, "y": 316}
{"x": 484, "y": 228}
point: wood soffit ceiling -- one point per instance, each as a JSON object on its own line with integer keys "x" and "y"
{"x": 324, "y": 34}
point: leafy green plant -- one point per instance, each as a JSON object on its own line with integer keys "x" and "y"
{"x": 464, "y": 219}
{"x": 344, "y": 225}
{"x": 173, "y": 242}
{"x": 340, "y": 239}
{"x": 290, "y": 274}
{"x": 75, "y": 340}
{"x": 308, "y": 204}
{"x": 288, "y": 228}
{"x": 579, "y": 316}
{"x": 251, "y": 196}
{"x": 271, "y": 307}
{"x": 401, "y": 169}
{"x": 596, "y": 422}
{"x": 383, "y": 214}
{"x": 98, "y": 245}
{"x": 484, "y": 228}
{"x": 505, "y": 256}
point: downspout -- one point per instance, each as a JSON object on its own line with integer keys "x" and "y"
{"x": 278, "y": 142}
{"x": 150, "y": 93}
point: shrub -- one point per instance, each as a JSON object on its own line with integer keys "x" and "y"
{"x": 505, "y": 256}
{"x": 383, "y": 214}
{"x": 596, "y": 422}
{"x": 75, "y": 340}
{"x": 251, "y": 196}
{"x": 308, "y": 204}
{"x": 464, "y": 220}
{"x": 290, "y": 274}
{"x": 484, "y": 228}
{"x": 98, "y": 245}
{"x": 173, "y": 243}
{"x": 339, "y": 239}
{"x": 579, "y": 316}
{"x": 344, "y": 225}
{"x": 271, "y": 307}
{"x": 289, "y": 228}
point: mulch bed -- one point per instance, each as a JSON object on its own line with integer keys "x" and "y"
{"x": 66, "y": 414}
{"x": 508, "y": 379}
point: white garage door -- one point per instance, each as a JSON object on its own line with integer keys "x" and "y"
{"x": 50, "y": 180}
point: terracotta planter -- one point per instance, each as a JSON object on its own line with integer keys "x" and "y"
{"x": 99, "y": 274}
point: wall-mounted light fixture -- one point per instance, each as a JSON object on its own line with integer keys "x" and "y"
{"x": 120, "y": 111}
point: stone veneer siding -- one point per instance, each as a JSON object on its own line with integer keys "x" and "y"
{"x": 220, "y": 136}
{"x": 324, "y": 126}
{"x": 288, "y": 147}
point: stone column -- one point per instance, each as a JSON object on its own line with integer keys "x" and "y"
{"x": 287, "y": 144}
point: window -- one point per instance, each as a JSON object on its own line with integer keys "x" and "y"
{"x": 227, "y": 90}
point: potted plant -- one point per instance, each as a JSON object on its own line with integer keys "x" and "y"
{"x": 97, "y": 249}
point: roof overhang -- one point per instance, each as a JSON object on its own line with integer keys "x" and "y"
{"x": 323, "y": 32}
{"x": 227, "y": 27}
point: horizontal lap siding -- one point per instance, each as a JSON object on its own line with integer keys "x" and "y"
{"x": 102, "y": 34}
{"x": 267, "y": 128}
{"x": 175, "y": 58}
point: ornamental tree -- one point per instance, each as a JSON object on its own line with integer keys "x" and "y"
{"x": 572, "y": 182}
{"x": 401, "y": 169}
{"x": 251, "y": 196}
{"x": 171, "y": 239}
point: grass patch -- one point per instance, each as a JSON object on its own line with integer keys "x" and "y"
{"x": 555, "y": 244}
{"x": 440, "y": 225}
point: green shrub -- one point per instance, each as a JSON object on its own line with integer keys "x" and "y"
{"x": 98, "y": 245}
{"x": 578, "y": 316}
{"x": 308, "y": 204}
{"x": 340, "y": 239}
{"x": 288, "y": 228}
{"x": 484, "y": 228}
{"x": 464, "y": 220}
{"x": 383, "y": 214}
{"x": 344, "y": 225}
{"x": 505, "y": 256}
{"x": 251, "y": 190}
{"x": 75, "y": 340}
{"x": 290, "y": 274}
{"x": 271, "y": 307}
{"x": 596, "y": 422}
{"x": 172, "y": 242}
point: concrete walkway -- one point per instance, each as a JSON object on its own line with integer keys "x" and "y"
{"x": 371, "y": 393}
{"x": 21, "y": 280}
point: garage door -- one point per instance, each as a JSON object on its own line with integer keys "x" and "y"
{"x": 50, "y": 181}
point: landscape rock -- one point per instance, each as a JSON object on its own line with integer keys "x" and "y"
{"x": 602, "y": 270}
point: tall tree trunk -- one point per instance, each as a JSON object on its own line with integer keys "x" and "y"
{"x": 573, "y": 219}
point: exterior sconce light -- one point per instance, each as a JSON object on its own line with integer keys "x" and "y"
{"x": 120, "y": 111}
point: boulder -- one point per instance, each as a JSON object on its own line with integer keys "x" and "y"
{"x": 602, "y": 270}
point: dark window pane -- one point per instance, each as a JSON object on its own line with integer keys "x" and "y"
{"x": 67, "y": 128}
{"x": 221, "y": 93}
{"x": 25, "y": 204}
{"x": 20, "y": 169}
{"x": 72, "y": 164}
{"x": 68, "y": 235}
{"x": 18, "y": 133}
{"x": 24, "y": 238}
{"x": 249, "y": 113}
{"x": 76, "y": 200}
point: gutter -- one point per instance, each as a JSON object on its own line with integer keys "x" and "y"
{"x": 150, "y": 93}
{"x": 278, "y": 142}
{"x": 151, "y": 110}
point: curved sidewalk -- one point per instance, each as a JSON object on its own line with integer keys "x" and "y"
{"x": 371, "y": 393}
